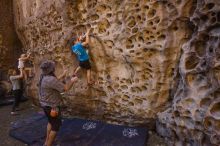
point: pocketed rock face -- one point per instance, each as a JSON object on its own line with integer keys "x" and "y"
{"x": 135, "y": 48}
{"x": 195, "y": 113}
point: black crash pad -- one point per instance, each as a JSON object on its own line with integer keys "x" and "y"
{"x": 78, "y": 132}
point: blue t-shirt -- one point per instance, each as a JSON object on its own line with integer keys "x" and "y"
{"x": 80, "y": 51}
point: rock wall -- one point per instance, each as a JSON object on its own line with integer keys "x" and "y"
{"x": 150, "y": 58}
{"x": 135, "y": 49}
{"x": 194, "y": 117}
{"x": 10, "y": 46}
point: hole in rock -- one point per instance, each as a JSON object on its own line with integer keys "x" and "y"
{"x": 151, "y": 13}
{"x": 110, "y": 89}
{"x": 210, "y": 50}
{"x": 103, "y": 26}
{"x": 175, "y": 28}
{"x": 208, "y": 123}
{"x": 216, "y": 94}
{"x": 146, "y": 7}
{"x": 126, "y": 97}
{"x": 108, "y": 77}
{"x": 178, "y": 1}
{"x": 157, "y": 20}
{"x": 109, "y": 15}
{"x": 218, "y": 16}
{"x": 213, "y": 14}
{"x": 130, "y": 104}
{"x": 162, "y": 37}
{"x": 200, "y": 48}
{"x": 215, "y": 110}
{"x": 116, "y": 86}
{"x": 213, "y": 20}
{"x": 198, "y": 125}
{"x": 215, "y": 139}
{"x": 124, "y": 87}
{"x": 94, "y": 17}
{"x": 100, "y": 8}
{"x": 191, "y": 61}
{"x": 135, "y": 30}
{"x": 132, "y": 23}
{"x": 138, "y": 101}
{"x": 187, "y": 113}
{"x": 205, "y": 102}
{"x": 144, "y": 88}
{"x": 131, "y": 51}
{"x": 204, "y": 17}
{"x": 151, "y": 23}
{"x": 210, "y": 5}
{"x": 176, "y": 113}
{"x": 138, "y": 18}
{"x": 189, "y": 102}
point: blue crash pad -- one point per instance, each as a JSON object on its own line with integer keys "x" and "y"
{"x": 78, "y": 132}
{"x": 30, "y": 130}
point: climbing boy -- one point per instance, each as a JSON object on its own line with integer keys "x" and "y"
{"x": 78, "y": 47}
{"x": 21, "y": 63}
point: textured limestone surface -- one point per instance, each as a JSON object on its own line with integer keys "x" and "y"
{"x": 135, "y": 47}
{"x": 9, "y": 43}
{"x": 194, "y": 117}
{"x": 150, "y": 58}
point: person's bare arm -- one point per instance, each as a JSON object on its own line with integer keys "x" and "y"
{"x": 70, "y": 84}
{"x": 25, "y": 58}
{"x": 17, "y": 76}
{"x": 62, "y": 75}
{"x": 87, "y": 38}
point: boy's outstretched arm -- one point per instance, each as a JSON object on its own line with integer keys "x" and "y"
{"x": 87, "y": 38}
{"x": 62, "y": 75}
{"x": 26, "y": 58}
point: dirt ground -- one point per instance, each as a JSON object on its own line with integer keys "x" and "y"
{"x": 6, "y": 119}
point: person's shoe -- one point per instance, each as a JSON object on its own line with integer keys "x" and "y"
{"x": 14, "y": 113}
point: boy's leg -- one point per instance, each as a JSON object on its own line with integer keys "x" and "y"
{"x": 51, "y": 138}
{"x": 20, "y": 93}
{"x": 48, "y": 133}
{"x": 76, "y": 70}
{"x": 16, "y": 94}
{"x": 24, "y": 73}
{"x": 89, "y": 81}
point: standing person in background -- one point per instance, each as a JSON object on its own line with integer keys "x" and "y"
{"x": 16, "y": 80}
{"x": 50, "y": 99}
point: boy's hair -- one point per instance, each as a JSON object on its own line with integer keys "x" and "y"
{"x": 23, "y": 55}
{"x": 72, "y": 40}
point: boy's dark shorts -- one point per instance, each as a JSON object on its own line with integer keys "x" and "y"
{"x": 85, "y": 64}
{"x": 55, "y": 122}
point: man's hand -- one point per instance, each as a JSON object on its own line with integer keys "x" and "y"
{"x": 64, "y": 72}
{"x": 88, "y": 31}
{"x": 74, "y": 79}
{"x": 62, "y": 75}
{"x": 87, "y": 38}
